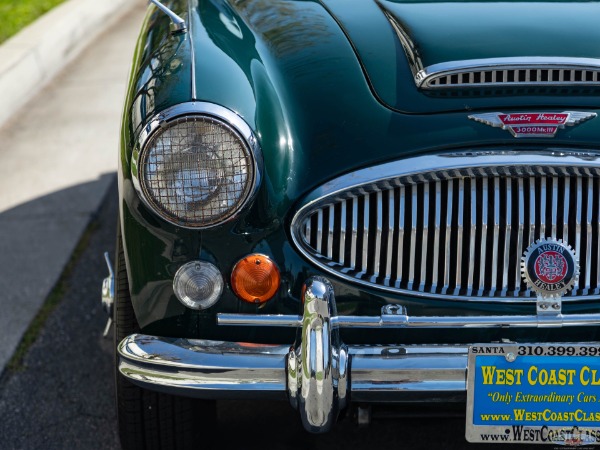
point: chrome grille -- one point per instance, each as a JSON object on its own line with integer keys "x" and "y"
{"x": 456, "y": 233}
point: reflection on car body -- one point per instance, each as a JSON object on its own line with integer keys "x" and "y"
{"x": 342, "y": 206}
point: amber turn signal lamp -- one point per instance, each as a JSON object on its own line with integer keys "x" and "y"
{"x": 255, "y": 278}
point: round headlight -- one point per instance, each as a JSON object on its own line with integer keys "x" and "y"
{"x": 196, "y": 171}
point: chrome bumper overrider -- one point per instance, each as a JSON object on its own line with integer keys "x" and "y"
{"x": 319, "y": 373}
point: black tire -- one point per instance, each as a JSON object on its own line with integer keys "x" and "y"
{"x": 147, "y": 419}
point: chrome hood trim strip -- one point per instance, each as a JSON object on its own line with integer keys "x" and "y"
{"x": 192, "y": 4}
{"x": 425, "y": 78}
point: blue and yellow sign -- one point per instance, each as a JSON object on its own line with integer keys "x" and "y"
{"x": 534, "y": 393}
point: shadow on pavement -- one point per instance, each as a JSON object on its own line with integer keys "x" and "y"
{"x": 37, "y": 239}
{"x": 63, "y": 397}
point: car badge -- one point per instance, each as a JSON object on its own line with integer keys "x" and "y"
{"x": 533, "y": 124}
{"x": 550, "y": 268}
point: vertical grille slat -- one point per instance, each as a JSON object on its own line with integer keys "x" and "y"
{"x": 462, "y": 235}
{"x": 378, "y": 235}
{"x": 330, "y": 224}
{"x": 579, "y": 192}
{"x": 425, "y": 214}
{"x": 554, "y": 206}
{"x": 307, "y": 230}
{"x": 542, "y": 206}
{"x": 532, "y": 217}
{"x": 484, "y": 232}
{"x": 365, "y": 236}
{"x": 472, "y": 236}
{"x": 507, "y": 233}
{"x": 436, "y": 239}
{"x": 565, "y": 235}
{"x": 390, "y": 239}
{"x": 448, "y": 229}
{"x": 354, "y": 238}
{"x": 342, "y": 249}
{"x": 459, "y": 238}
{"x": 588, "y": 231}
{"x": 521, "y": 229}
{"x": 413, "y": 238}
{"x": 496, "y": 233}
{"x": 401, "y": 218}
{"x": 532, "y": 210}
{"x": 319, "y": 231}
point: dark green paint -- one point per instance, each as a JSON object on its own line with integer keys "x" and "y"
{"x": 161, "y": 73}
{"x": 289, "y": 69}
{"x": 456, "y": 31}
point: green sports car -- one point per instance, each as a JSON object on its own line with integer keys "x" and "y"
{"x": 346, "y": 203}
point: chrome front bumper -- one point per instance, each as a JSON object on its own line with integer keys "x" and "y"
{"x": 213, "y": 369}
{"x": 319, "y": 373}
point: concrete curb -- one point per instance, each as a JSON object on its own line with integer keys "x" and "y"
{"x": 30, "y": 59}
{"x": 58, "y": 153}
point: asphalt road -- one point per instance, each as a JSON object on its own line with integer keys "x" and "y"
{"x": 63, "y": 396}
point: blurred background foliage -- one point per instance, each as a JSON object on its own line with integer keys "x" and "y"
{"x": 16, "y": 14}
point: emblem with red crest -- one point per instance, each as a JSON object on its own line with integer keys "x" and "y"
{"x": 550, "y": 267}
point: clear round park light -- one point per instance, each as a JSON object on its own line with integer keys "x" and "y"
{"x": 198, "y": 284}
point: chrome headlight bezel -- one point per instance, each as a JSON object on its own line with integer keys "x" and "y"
{"x": 226, "y": 118}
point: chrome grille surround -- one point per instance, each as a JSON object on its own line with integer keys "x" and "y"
{"x": 398, "y": 215}
{"x": 510, "y": 72}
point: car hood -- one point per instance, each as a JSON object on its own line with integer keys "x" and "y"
{"x": 327, "y": 87}
{"x": 327, "y": 48}
{"x": 449, "y": 31}
{"x": 395, "y": 39}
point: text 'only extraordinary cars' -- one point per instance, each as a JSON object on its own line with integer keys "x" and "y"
{"x": 342, "y": 204}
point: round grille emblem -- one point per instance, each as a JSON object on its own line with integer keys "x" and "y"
{"x": 550, "y": 267}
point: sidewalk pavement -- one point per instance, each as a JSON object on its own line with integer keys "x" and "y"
{"x": 58, "y": 156}
{"x": 30, "y": 59}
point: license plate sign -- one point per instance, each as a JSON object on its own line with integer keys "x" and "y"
{"x": 536, "y": 394}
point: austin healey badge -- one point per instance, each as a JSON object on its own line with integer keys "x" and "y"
{"x": 549, "y": 267}
{"x": 533, "y": 124}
